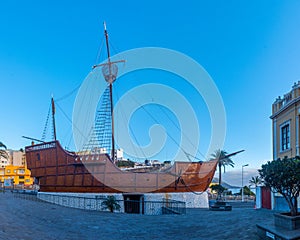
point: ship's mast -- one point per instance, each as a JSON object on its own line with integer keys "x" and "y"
{"x": 53, "y": 118}
{"x": 110, "y": 71}
{"x": 111, "y": 96}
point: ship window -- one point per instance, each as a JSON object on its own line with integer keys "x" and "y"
{"x": 15, "y": 171}
{"x": 21, "y": 177}
{"x": 8, "y": 171}
{"x": 285, "y": 137}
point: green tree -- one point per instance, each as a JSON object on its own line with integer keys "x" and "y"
{"x": 255, "y": 181}
{"x": 111, "y": 204}
{"x": 219, "y": 189}
{"x": 223, "y": 161}
{"x": 247, "y": 191}
{"x": 3, "y": 153}
{"x": 282, "y": 176}
{"x": 123, "y": 163}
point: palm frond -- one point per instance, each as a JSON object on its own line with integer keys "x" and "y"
{"x": 3, "y": 154}
{"x": 223, "y": 159}
{"x": 2, "y": 145}
{"x": 255, "y": 181}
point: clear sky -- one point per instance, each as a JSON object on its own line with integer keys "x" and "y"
{"x": 250, "y": 48}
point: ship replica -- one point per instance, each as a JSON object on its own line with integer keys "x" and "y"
{"x": 58, "y": 170}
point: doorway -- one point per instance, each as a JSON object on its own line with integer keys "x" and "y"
{"x": 134, "y": 203}
{"x": 266, "y": 198}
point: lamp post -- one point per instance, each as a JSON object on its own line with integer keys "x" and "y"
{"x": 243, "y": 180}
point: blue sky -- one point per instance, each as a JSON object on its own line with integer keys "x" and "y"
{"x": 250, "y": 48}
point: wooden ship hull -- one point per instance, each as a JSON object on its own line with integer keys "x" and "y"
{"x": 57, "y": 170}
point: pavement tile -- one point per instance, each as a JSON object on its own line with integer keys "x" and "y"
{"x": 30, "y": 220}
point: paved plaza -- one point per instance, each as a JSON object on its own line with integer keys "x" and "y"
{"x": 28, "y": 219}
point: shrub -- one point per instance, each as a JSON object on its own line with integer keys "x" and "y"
{"x": 283, "y": 176}
{"x": 111, "y": 204}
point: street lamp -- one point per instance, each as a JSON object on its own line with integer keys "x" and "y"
{"x": 243, "y": 180}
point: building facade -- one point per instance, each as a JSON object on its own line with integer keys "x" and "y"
{"x": 17, "y": 158}
{"x": 14, "y": 157}
{"x": 286, "y": 123}
{"x": 4, "y": 161}
{"x": 286, "y": 141}
{"x": 14, "y": 169}
{"x": 19, "y": 175}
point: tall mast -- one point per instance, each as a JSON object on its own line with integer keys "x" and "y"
{"x": 110, "y": 72}
{"x": 107, "y": 43}
{"x": 110, "y": 95}
{"x": 53, "y": 118}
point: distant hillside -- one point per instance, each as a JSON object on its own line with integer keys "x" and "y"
{"x": 224, "y": 184}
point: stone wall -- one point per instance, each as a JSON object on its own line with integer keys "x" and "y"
{"x": 192, "y": 200}
{"x": 87, "y": 201}
{"x": 152, "y": 204}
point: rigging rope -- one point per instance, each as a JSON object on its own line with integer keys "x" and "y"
{"x": 113, "y": 47}
{"x": 173, "y": 139}
{"x": 101, "y": 133}
{"x": 189, "y": 188}
{"x": 59, "y": 107}
{"x": 180, "y": 179}
{"x": 99, "y": 51}
{"x": 162, "y": 109}
{"x": 124, "y": 116}
{"x": 68, "y": 94}
{"x": 46, "y": 124}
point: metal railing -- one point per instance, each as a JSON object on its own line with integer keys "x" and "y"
{"x": 173, "y": 207}
{"x": 94, "y": 203}
{"x": 166, "y": 206}
{"x": 25, "y": 194}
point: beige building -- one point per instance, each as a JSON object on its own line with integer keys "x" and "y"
{"x": 15, "y": 158}
{"x": 3, "y": 161}
{"x": 286, "y": 124}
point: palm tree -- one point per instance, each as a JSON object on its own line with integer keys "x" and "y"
{"x": 111, "y": 204}
{"x": 255, "y": 181}
{"x": 223, "y": 161}
{"x": 3, "y": 153}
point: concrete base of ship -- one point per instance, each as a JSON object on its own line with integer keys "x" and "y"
{"x": 140, "y": 203}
